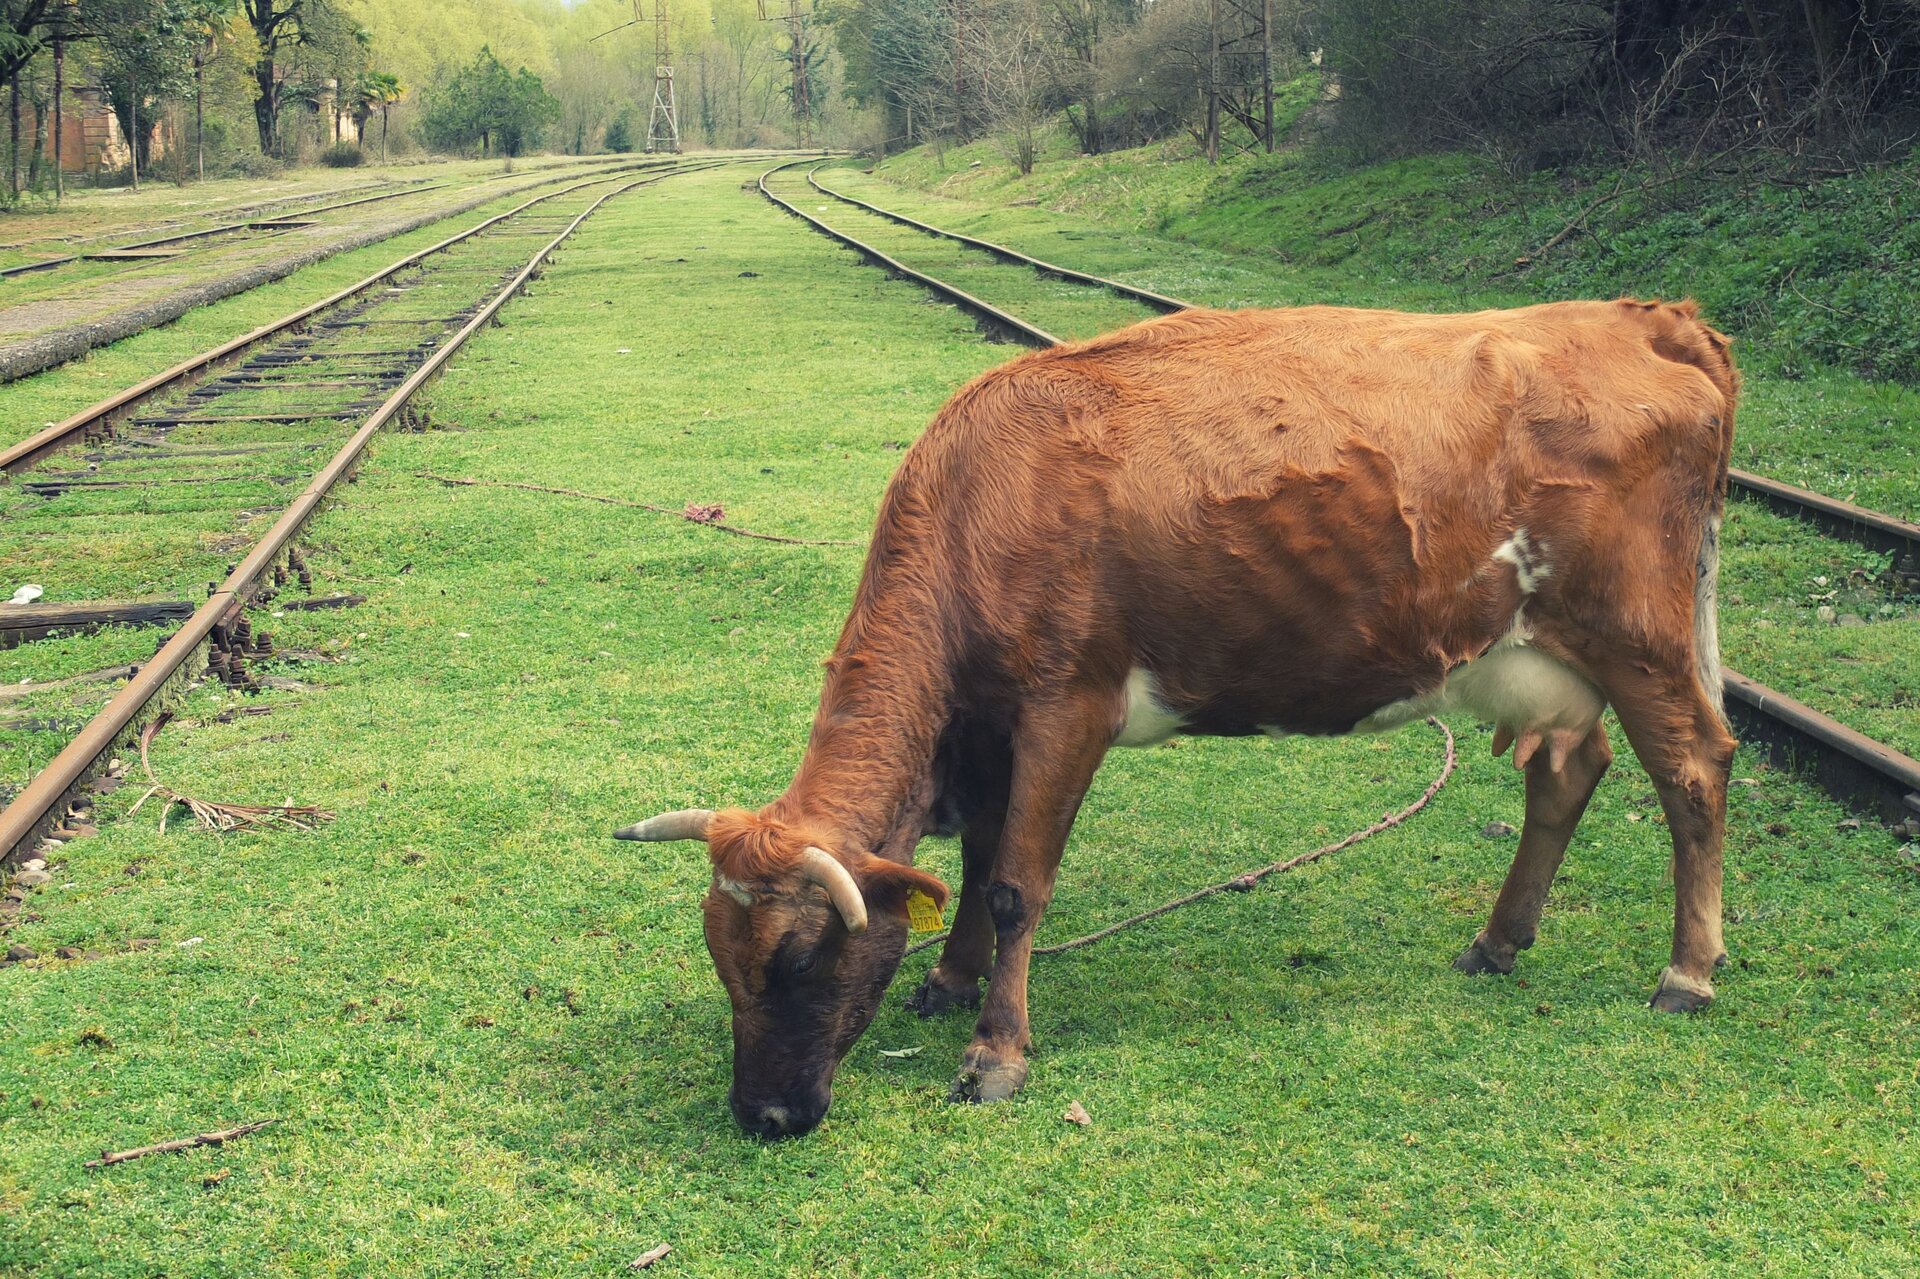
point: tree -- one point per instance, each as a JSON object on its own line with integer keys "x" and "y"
{"x": 278, "y": 25}
{"x": 145, "y": 52}
{"x": 1013, "y": 74}
{"x": 484, "y": 102}
{"x": 207, "y": 25}
{"x": 375, "y": 91}
{"x": 22, "y": 32}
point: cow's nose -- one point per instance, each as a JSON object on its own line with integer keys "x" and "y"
{"x": 776, "y": 1121}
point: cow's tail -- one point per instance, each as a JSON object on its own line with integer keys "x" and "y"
{"x": 1706, "y": 615}
{"x": 1709, "y": 351}
{"x": 1679, "y": 334}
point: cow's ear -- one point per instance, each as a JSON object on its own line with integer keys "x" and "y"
{"x": 886, "y": 884}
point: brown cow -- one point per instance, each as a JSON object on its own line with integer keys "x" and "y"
{"x": 1309, "y": 521}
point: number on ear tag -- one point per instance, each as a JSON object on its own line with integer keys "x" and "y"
{"x": 922, "y": 915}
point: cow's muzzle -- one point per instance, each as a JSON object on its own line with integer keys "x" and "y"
{"x": 788, "y": 1117}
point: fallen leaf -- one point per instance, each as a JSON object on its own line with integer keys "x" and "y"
{"x": 1077, "y": 1114}
{"x": 900, "y": 1052}
{"x": 214, "y": 1178}
{"x": 650, "y": 1256}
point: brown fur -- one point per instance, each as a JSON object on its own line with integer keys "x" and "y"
{"x": 1289, "y": 518}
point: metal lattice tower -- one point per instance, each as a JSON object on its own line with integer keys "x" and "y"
{"x": 663, "y": 123}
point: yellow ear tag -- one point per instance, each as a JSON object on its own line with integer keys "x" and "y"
{"x": 922, "y": 915}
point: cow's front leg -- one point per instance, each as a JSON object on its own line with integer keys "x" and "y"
{"x": 954, "y": 982}
{"x": 1057, "y": 749}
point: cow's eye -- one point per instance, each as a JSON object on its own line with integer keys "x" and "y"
{"x": 804, "y": 965}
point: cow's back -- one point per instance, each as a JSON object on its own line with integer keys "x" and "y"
{"x": 1277, "y": 458}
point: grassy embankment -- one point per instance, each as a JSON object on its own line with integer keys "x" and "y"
{"x": 492, "y": 1036}
{"x": 1438, "y": 234}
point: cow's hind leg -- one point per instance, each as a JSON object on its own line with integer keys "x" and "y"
{"x": 1057, "y": 749}
{"x": 1556, "y": 797}
{"x": 1688, "y": 753}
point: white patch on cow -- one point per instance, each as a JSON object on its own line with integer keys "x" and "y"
{"x": 1512, "y": 683}
{"x": 734, "y": 889}
{"x": 1529, "y": 561}
{"x": 1148, "y": 721}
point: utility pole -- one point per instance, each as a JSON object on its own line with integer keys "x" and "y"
{"x": 801, "y": 92}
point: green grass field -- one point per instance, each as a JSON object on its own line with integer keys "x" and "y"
{"x": 493, "y": 1040}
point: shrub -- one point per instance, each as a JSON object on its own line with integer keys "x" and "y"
{"x": 620, "y": 134}
{"x": 342, "y": 155}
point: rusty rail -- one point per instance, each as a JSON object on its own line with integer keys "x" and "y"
{"x": 1852, "y": 767}
{"x": 1000, "y": 323}
{"x": 40, "y": 802}
{"x": 1159, "y": 301}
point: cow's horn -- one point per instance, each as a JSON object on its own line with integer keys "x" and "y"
{"x": 824, "y": 869}
{"x": 688, "y": 823}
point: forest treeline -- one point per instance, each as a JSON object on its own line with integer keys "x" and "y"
{"x": 1538, "y": 81}
{"x": 246, "y": 84}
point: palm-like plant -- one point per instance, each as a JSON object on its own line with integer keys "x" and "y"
{"x": 378, "y": 91}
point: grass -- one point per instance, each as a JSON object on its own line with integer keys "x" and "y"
{"x": 493, "y": 1037}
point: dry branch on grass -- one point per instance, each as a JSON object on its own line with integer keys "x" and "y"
{"x": 214, "y": 814}
{"x": 108, "y": 1157}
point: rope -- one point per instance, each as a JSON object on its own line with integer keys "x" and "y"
{"x": 1244, "y": 883}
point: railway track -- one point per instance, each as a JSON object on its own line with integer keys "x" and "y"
{"x": 272, "y": 399}
{"x": 243, "y": 217}
{"x": 137, "y": 255}
{"x": 97, "y": 421}
{"x": 273, "y": 224}
{"x": 1850, "y": 765}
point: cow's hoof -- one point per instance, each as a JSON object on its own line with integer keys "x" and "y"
{"x": 1678, "y": 994}
{"x": 935, "y": 997}
{"x": 988, "y": 1079}
{"x": 1482, "y": 958}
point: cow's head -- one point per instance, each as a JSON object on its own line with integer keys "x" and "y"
{"x": 805, "y": 938}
